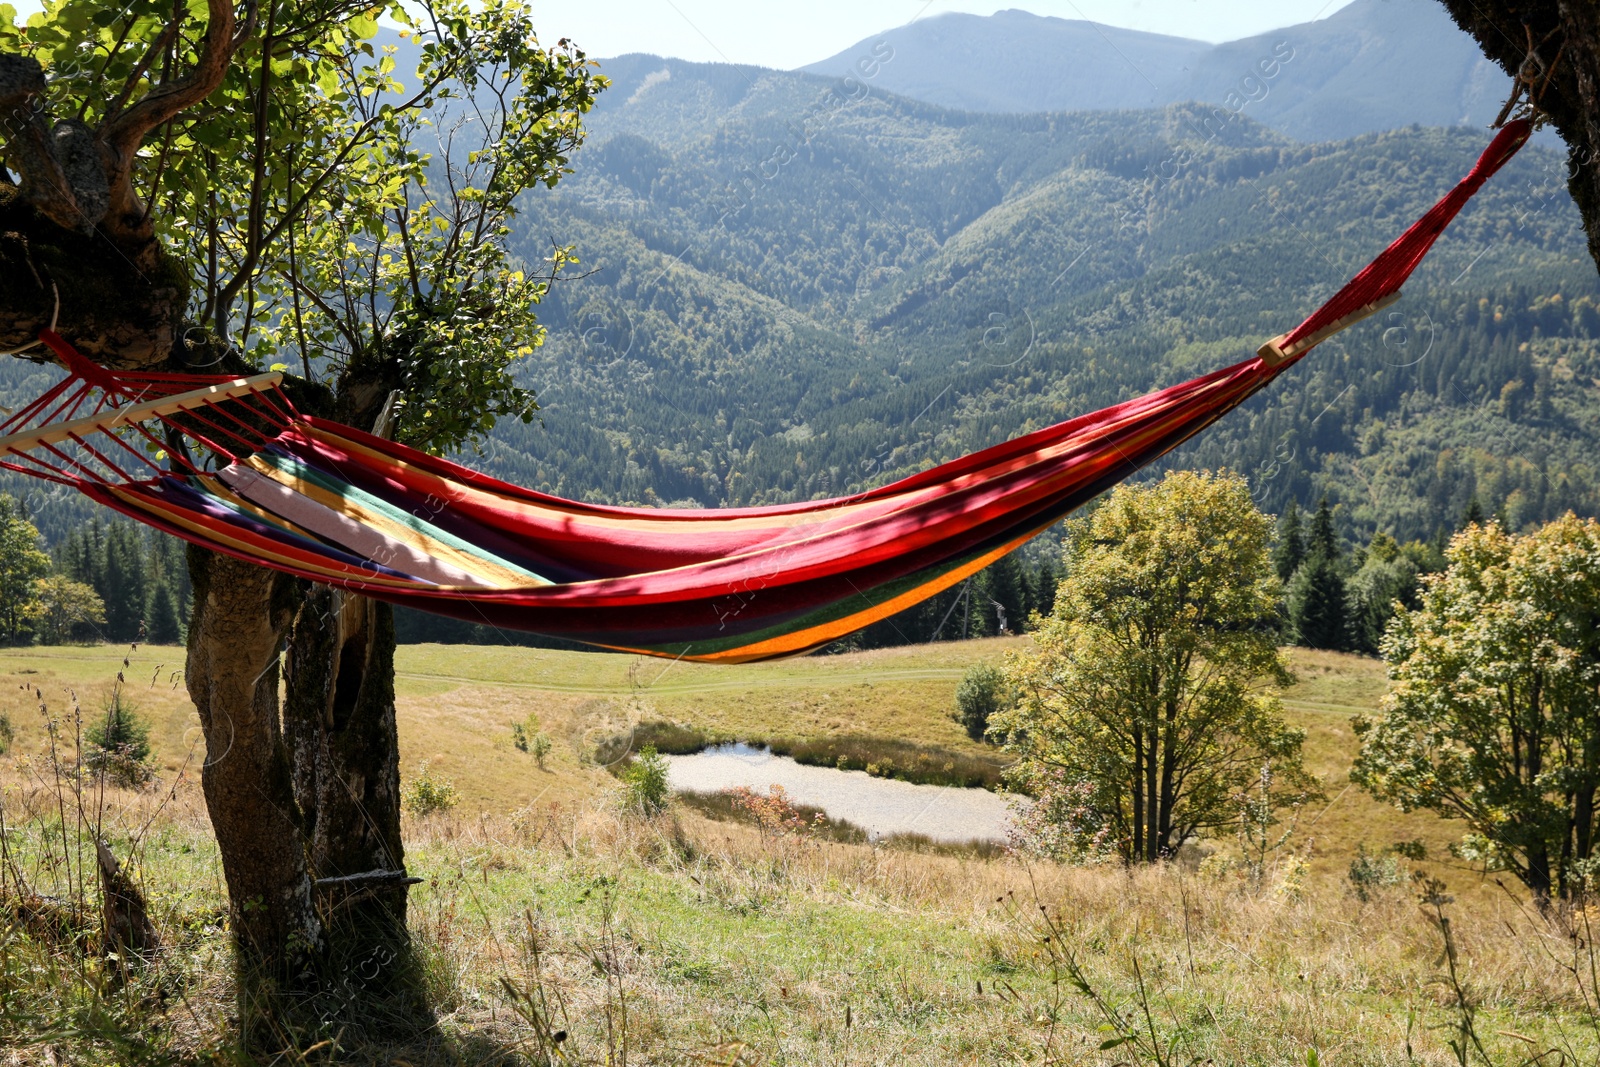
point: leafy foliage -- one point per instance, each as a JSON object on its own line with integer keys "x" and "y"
{"x": 646, "y": 781}
{"x": 1368, "y": 873}
{"x": 22, "y": 564}
{"x": 774, "y": 813}
{"x": 983, "y": 691}
{"x": 1147, "y": 700}
{"x": 526, "y": 736}
{"x": 428, "y": 794}
{"x": 65, "y": 606}
{"x": 302, "y": 197}
{"x": 1490, "y": 714}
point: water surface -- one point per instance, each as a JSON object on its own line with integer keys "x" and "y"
{"x": 880, "y": 806}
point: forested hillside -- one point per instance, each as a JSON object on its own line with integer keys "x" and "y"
{"x": 798, "y": 288}
{"x": 915, "y": 283}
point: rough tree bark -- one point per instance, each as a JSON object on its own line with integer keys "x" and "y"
{"x": 236, "y": 632}
{"x": 1552, "y": 46}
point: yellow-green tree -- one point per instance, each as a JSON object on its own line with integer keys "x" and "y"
{"x": 1493, "y": 711}
{"x": 1148, "y": 703}
{"x": 22, "y": 564}
{"x": 65, "y": 604}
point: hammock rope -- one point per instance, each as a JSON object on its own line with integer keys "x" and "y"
{"x": 333, "y": 504}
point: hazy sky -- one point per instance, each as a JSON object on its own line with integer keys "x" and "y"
{"x": 787, "y": 35}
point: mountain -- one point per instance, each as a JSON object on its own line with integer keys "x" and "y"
{"x": 1015, "y": 61}
{"x": 1373, "y": 65}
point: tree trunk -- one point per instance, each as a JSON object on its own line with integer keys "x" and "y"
{"x": 1571, "y": 96}
{"x": 1539, "y": 881}
{"x": 1152, "y": 803}
{"x": 1136, "y": 838}
{"x": 339, "y": 721}
{"x": 240, "y": 614}
{"x": 1169, "y": 768}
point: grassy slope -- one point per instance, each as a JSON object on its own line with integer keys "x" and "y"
{"x": 456, "y": 703}
{"x": 718, "y": 935}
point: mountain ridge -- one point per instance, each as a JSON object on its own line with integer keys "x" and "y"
{"x": 1374, "y": 64}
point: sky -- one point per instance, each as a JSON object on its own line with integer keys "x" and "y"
{"x": 789, "y": 35}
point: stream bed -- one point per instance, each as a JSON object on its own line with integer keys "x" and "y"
{"x": 880, "y": 806}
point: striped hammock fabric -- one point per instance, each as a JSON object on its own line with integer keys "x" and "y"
{"x": 333, "y": 504}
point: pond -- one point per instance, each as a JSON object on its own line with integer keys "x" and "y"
{"x": 880, "y": 806}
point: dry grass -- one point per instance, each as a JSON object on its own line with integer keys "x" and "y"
{"x": 684, "y": 935}
{"x": 688, "y": 939}
{"x": 456, "y": 704}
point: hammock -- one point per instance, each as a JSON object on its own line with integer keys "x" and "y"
{"x": 333, "y": 504}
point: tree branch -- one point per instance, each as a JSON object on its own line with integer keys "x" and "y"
{"x": 122, "y": 135}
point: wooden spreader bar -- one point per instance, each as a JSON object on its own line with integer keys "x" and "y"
{"x": 115, "y": 418}
{"x": 1273, "y": 353}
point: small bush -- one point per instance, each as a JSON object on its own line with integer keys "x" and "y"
{"x": 982, "y": 692}
{"x": 528, "y": 737}
{"x": 1369, "y": 873}
{"x": 775, "y": 814}
{"x": 119, "y": 744}
{"x": 7, "y": 734}
{"x": 646, "y": 779}
{"x": 427, "y": 794}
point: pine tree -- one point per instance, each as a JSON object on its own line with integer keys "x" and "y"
{"x": 162, "y": 615}
{"x": 1473, "y": 516}
{"x": 1001, "y": 597}
{"x": 125, "y": 587}
{"x": 1323, "y": 541}
{"x": 1045, "y": 583}
{"x": 1318, "y": 608}
{"x": 1290, "y": 551}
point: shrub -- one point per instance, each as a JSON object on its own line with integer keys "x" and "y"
{"x": 982, "y": 692}
{"x": 775, "y": 814}
{"x": 119, "y": 744}
{"x": 646, "y": 779}
{"x": 1368, "y": 872}
{"x": 894, "y": 758}
{"x": 427, "y": 794}
{"x": 523, "y": 733}
{"x": 7, "y": 734}
{"x": 527, "y": 737}
{"x": 676, "y": 739}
